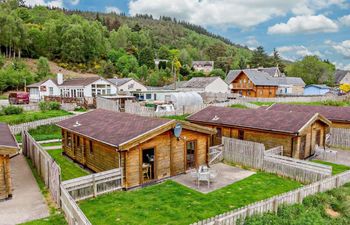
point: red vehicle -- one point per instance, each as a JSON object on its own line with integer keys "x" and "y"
{"x": 19, "y": 98}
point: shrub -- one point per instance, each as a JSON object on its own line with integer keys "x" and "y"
{"x": 45, "y": 106}
{"x": 12, "y": 110}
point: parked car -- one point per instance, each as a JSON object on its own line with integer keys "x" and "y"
{"x": 19, "y": 98}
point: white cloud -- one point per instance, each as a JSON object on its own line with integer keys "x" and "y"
{"x": 74, "y": 2}
{"x": 345, "y": 20}
{"x": 342, "y": 48}
{"x": 53, "y": 3}
{"x": 295, "y": 52}
{"x": 229, "y": 13}
{"x": 305, "y": 24}
{"x": 342, "y": 66}
{"x": 110, "y": 9}
{"x": 251, "y": 42}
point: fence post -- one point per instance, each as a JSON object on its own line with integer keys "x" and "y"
{"x": 337, "y": 181}
{"x": 275, "y": 205}
{"x": 94, "y": 186}
{"x": 300, "y": 198}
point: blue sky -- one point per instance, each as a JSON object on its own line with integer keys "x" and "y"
{"x": 294, "y": 27}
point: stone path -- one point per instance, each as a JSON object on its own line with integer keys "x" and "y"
{"x": 27, "y": 202}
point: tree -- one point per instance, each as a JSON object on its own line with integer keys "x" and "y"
{"x": 142, "y": 73}
{"x": 127, "y": 64}
{"x": 218, "y": 73}
{"x": 163, "y": 52}
{"x": 119, "y": 39}
{"x": 146, "y": 57}
{"x": 43, "y": 68}
{"x": 215, "y": 51}
{"x": 259, "y": 58}
{"x": 312, "y": 70}
{"x": 277, "y": 61}
{"x": 242, "y": 64}
{"x": 345, "y": 88}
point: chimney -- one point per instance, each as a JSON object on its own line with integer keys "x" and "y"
{"x": 59, "y": 78}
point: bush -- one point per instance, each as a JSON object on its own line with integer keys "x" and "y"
{"x": 12, "y": 110}
{"x": 45, "y": 106}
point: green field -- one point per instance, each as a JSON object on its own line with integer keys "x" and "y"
{"x": 51, "y": 144}
{"x": 330, "y": 208}
{"x": 337, "y": 168}
{"x": 182, "y": 117}
{"x": 43, "y": 133}
{"x": 239, "y": 106}
{"x": 172, "y": 203}
{"x": 320, "y": 103}
{"x": 32, "y": 116}
{"x": 69, "y": 169}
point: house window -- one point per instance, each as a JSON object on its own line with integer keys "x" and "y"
{"x": 241, "y": 134}
{"x": 219, "y": 132}
{"x": 155, "y": 96}
{"x": 50, "y": 90}
{"x": 77, "y": 142}
{"x": 69, "y": 140}
{"x": 148, "y": 96}
{"x": 91, "y": 147}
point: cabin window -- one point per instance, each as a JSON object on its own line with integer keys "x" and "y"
{"x": 218, "y": 132}
{"x": 91, "y": 147}
{"x": 69, "y": 140}
{"x": 148, "y": 96}
{"x": 191, "y": 154}
{"x": 302, "y": 147}
{"x": 77, "y": 143}
{"x": 241, "y": 134}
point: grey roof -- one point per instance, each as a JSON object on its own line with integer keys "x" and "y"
{"x": 119, "y": 81}
{"x": 257, "y": 77}
{"x": 40, "y": 83}
{"x": 290, "y": 81}
{"x": 179, "y": 84}
{"x": 199, "y": 82}
{"x": 203, "y": 63}
{"x": 321, "y": 86}
{"x": 271, "y": 71}
{"x": 339, "y": 75}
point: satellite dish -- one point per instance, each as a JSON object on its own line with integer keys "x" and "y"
{"x": 177, "y": 130}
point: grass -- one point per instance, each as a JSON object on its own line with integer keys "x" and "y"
{"x": 32, "y": 116}
{"x": 337, "y": 168}
{"x": 239, "y": 106}
{"x": 43, "y": 133}
{"x": 56, "y": 217}
{"x": 263, "y": 103}
{"x": 4, "y": 97}
{"x": 331, "y": 208}
{"x": 51, "y": 144}
{"x": 69, "y": 170}
{"x": 182, "y": 117}
{"x": 172, "y": 203}
{"x": 319, "y": 103}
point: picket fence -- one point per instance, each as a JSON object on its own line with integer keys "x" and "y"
{"x": 238, "y": 216}
{"x": 296, "y": 99}
{"x": 340, "y": 137}
{"x": 253, "y": 155}
{"x": 65, "y": 194}
{"x": 17, "y": 129}
{"x": 274, "y": 151}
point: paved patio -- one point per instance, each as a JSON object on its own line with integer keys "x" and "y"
{"x": 27, "y": 202}
{"x": 226, "y": 175}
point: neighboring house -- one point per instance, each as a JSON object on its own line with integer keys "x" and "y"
{"x": 8, "y": 147}
{"x": 128, "y": 85}
{"x": 203, "y": 66}
{"x": 82, "y": 87}
{"x": 342, "y": 77}
{"x": 146, "y": 148}
{"x": 339, "y": 116}
{"x": 205, "y": 84}
{"x": 316, "y": 89}
{"x": 290, "y": 86}
{"x": 297, "y": 132}
{"x": 252, "y": 83}
{"x": 272, "y": 71}
{"x": 154, "y": 94}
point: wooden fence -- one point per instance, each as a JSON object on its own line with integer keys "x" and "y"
{"x": 253, "y": 155}
{"x": 95, "y": 184}
{"x": 340, "y": 137}
{"x": 274, "y": 151}
{"x": 47, "y": 168}
{"x": 108, "y": 104}
{"x": 238, "y": 216}
{"x": 17, "y": 129}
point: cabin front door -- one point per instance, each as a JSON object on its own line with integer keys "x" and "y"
{"x": 191, "y": 150}
{"x": 148, "y": 165}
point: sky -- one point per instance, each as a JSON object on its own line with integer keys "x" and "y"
{"x": 296, "y": 28}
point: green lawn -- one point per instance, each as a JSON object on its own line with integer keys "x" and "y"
{"x": 4, "y": 97}
{"x": 337, "y": 168}
{"x": 32, "y": 116}
{"x": 51, "y": 144}
{"x": 69, "y": 170}
{"x": 183, "y": 117}
{"x": 330, "y": 208}
{"x": 324, "y": 103}
{"x": 43, "y": 133}
{"x": 263, "y": 103}
{"x": 172, "y": 203}
{"x": 239, "y": 106}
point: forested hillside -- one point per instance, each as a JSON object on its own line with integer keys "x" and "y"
{"x": 112, "y": 45}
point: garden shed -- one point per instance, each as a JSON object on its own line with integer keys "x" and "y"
{"x": 8, "y": 147}
{"x": 297, "y": 132}
{"x": 148, "y": 149}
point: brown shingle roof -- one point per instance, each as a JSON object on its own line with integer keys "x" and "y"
{"x": 277, "y": 121}
{"x": 81, "y": 81}
{"x": 112, "y": 128}
{"x": 6, "y": 137}
{"x": 333, "y": 113}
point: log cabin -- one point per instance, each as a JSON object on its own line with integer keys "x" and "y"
{"x": 8, "y": 147}
{"x": 339, "y": 116}
{"x": 148, "y": 149}
{"x": 298, "y": 133}
{"x": 252, "y": 83}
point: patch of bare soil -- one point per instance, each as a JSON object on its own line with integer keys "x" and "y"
{"x": 330, "y": 212}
